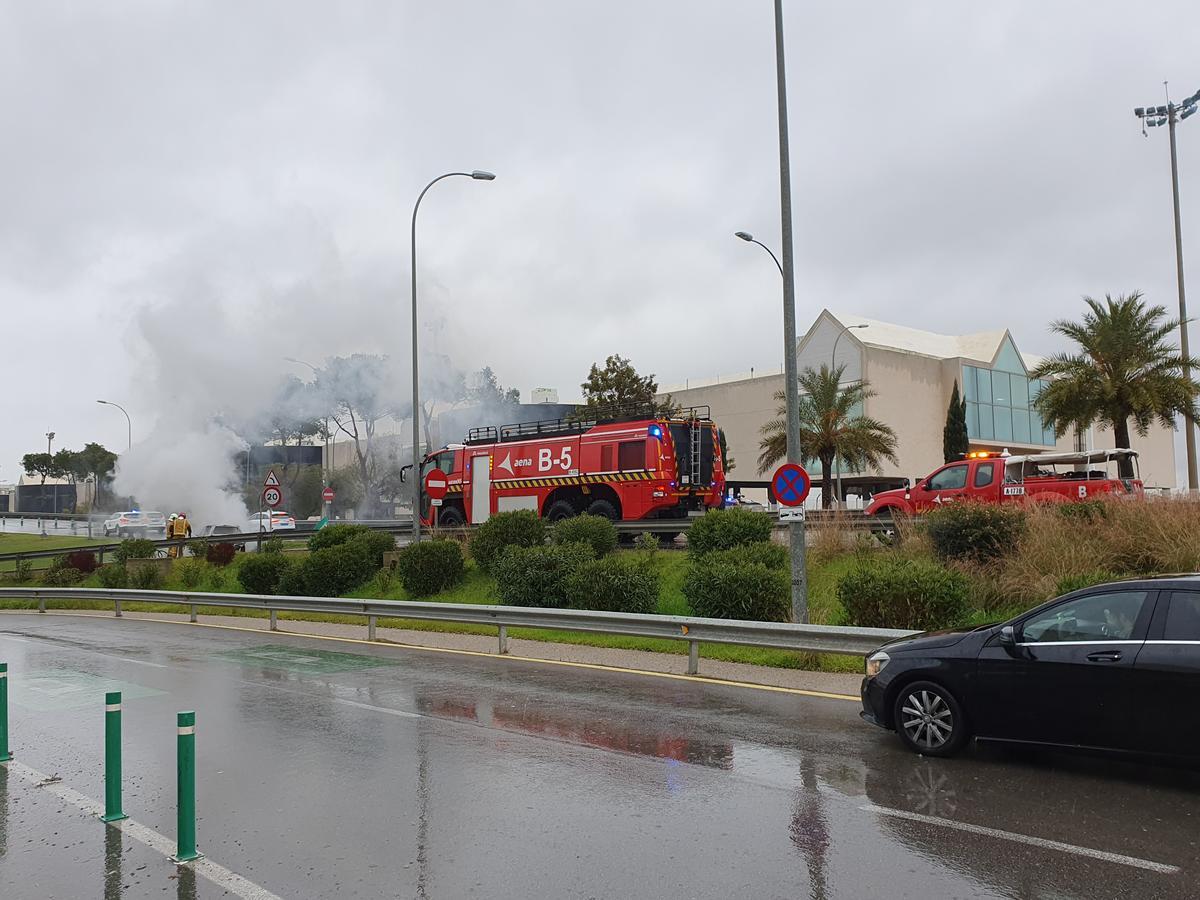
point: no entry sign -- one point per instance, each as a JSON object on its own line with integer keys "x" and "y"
{"x": 435, "y": 484}
{"x": 327, "y": 495}
{"x": 791, "y": 484}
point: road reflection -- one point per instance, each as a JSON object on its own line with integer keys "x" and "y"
{"x": 809, "y": 829}
{"x": 113, "y": 849}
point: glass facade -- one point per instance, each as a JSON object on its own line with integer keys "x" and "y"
{"x": 1000, "y": 407}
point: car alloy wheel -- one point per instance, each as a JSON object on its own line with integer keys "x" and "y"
{"x": 929, "y": 719}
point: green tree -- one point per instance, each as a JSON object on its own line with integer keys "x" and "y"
{"x": 42, "y": 465}
{"x": 99, "y": 463}
{"x": 483, "y": 389}
{"x": 728, "y": 461}
{"x": 1124, "y": 370}
{"x": 828, "y": 428}
{"x": 618, "y": 386}
{"x": 955, "y": 441}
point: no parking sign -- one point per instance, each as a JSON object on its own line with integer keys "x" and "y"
{"x": 791, "y": 484}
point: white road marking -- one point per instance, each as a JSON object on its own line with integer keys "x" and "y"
{"x": 1017, "y": 838}
{"x": 219, "y": 875}
{"x": 382, "y": 709}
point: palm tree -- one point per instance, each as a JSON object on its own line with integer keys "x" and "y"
{"x": 828, "y": 430}
{"x": 1125, "y": 370}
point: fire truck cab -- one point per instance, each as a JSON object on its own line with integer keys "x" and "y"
{"x": 624, "y": 467}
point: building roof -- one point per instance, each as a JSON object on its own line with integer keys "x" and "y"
{"x": 981, "y": 346}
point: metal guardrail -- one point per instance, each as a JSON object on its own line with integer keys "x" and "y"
{"x": 695, "y": 631}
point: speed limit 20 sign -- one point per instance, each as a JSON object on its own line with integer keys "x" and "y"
{"x": 272, "y": 497}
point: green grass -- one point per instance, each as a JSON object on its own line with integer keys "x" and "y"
{"x": 480, "y": 588}
{"x": 33, "y": 543}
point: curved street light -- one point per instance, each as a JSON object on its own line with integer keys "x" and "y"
{"x": 477, "y": 175}
{"x": 128, "y": 423}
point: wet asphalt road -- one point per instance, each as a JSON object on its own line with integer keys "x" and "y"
{"x": 329, "y": 769}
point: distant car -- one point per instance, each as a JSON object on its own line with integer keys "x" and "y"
{"x": 136, "y": 523}
{"x": 216, "y": 531}
{"x": 276, "y": 520}
{"x": 1113, "y": 667}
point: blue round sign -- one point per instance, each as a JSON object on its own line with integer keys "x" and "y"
{"x": 791, "y": 484}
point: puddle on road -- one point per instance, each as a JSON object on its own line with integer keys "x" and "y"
{"x": 302, "y": 661}
{"x": 52, "y": 690}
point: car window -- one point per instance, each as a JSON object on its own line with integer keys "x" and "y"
{"x": 950, "y": 479}
{"x": 1183, "y": 617}
{"x": 1100, "y": 617}
{"x": 984, "y": 473}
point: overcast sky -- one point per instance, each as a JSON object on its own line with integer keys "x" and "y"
{"x": 189, "y": 192}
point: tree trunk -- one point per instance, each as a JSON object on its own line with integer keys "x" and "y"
{"x": 1121, "y": 435}
{"x": 826, "y": 482}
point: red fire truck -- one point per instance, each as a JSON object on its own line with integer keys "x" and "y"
{"x": 1055, "y": 477}
{"x": 624, "y": 467}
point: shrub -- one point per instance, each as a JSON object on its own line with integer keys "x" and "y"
{"x": 724, "y": 589}
{"x": 611, "y": 584}
{"x": 332, "y": 535}
{"x": 374, "y": 544}
{"x": 1086, "y": 511}
{"x": 333, "y": 571}
{"x": 59, "y": 574}
{"x": 537, "y": 576}
{"x": 596, "y": 531}
{"x": 113, "y": 576}
{"x": 292, "y": 582}
{"x": 646, "y": 543}
{"x": 520, "y": 528}
{"x": 135, "y": 549}
{"x": 430, "y": 566}
{"x": 260, "y": 573}
{"x": 145, "y": 578}
{"x": 191, "y": 573}
{"x": 197, "y": 549}
{"x": 273, "y": 544}
{"x": 975, "y": 531}
{"x": 22, "y": 570}
{"x": 83, "y": 561}
{"x": 1070, "y": 583}
{"x": 903, "y": 593}
{"x": 220, "y": 554}
{"x": 773, "y": 556}
{"x": 722, "y": 529}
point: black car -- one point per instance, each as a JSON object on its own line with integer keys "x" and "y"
{"x": 1112, "y": 667}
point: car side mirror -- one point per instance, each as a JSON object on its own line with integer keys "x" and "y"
{"x": 1008, "y": 639}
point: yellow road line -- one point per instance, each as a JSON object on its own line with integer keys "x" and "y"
{"x": 599, "y": 667}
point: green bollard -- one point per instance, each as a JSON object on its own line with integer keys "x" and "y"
{"x": 5, "y": 756}
{"x": 112, "y": 758}
{"x": 186, "y": 787}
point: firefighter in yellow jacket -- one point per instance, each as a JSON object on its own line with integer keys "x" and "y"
{"x": 181, "y": 530}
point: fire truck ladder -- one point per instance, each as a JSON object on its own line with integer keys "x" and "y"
{"x": 695, "y": 449}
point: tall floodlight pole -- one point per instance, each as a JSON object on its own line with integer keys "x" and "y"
{"x": 832, "y": 366}
{"x": 128, "y": 423}
{"x": 478, "y": 175}
{"x": 791, "y": 386}
{"x": 54, "y": 504}
{"x": 1154, "y": 117}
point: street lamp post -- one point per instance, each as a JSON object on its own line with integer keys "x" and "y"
{"x": 128, "y": 423}
{"x": 54, "y": 488}
{"x": 1171, "y": 115}
{"x": 832, "y": 366}
{"x": 478, "y": 175}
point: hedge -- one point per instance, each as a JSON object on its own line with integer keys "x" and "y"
{"x": 974, "y": 531}
{"x": 537, "y": 576}
{"x": 520, "y": 528}
{"x": 720, "y": 589}
{"x": 332, "y": 535}
{"x": 260, "y": 573}
{"x": 903, "y": 593}
{"x": 723, "y": 529}
{"x": 332, "y": 571}
{"x": 611, "y": 584}
{"x": 430, "y": 566}
{"x": 773, "y": 556}
{"x": 596, "y": 531}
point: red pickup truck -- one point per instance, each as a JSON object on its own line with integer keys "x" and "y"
{"x": 1058, "y": 477}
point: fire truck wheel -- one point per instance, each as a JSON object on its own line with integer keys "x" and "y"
{"x": 603, "y": 508}
{"x": 451, "y": 517}
{"x": 559, "y": 510}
